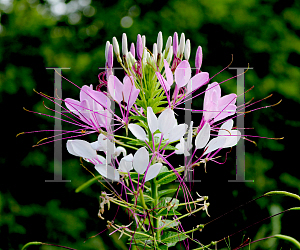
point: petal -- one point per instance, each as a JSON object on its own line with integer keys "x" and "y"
{"x": 180, "y": 147}
{"x": 197, "y": 81}
{"x": 215, "y": 144}
{"x": 81, "y": 148}
{"x": 125, "y": 166}
{"x": 73, "y": 105}
{"x": 233, "y": 139}
{"x": 226, "y": 127}
{"x": 190, "y": 135}
{"x": 152, "y": 120}
{"x": 177, "y": 132}
{"x": 84, "y": 92}
{"x": 227, "y": 99}
{"x": 153, "y": 171}
{"x": 120, "y": 150}
{"x": 141, "y": 160}
{"x": 115, "y": 88}
{"x": 137, "y": 131}
{"x": 108, "y": 171}
{"x": 162, "y": 81}
{"x": 182, "y": 73}
{"x": 166, "y": 121}
{"x": 203, "y": 136}
{"x": 169, "y": 74}
{"x": 225, "y": 112}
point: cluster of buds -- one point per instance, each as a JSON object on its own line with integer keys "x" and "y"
{"x": 140, "y": 59}
{"x": 105, "y": 200}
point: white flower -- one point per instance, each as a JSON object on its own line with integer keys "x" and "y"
{"x": 141, "y": 162}
{"x": 84, "y": 149}
{"x": 166, "y": 123}
{"x": 185, "y": 146}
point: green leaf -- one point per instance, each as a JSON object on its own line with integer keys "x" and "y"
{"x": 165, "y": 222}
{"x": 135, "y": 175}
{"x": 163, "y": 247}
{"x": 166, "y": 177}
{"x": 147, "y": 198}
{"x": 165, "y": 192}
{"x": 165, "y": 212}
{"x": 164, "y": 202}
{"x": 171, "y": 238}
{"x": 140, "y": 118}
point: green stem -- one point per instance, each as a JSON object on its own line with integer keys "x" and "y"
{"x": 154, "y": 192}
{"x": 32, "y": 243}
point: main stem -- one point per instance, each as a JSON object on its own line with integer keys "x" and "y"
{"x": 154, "y": 192}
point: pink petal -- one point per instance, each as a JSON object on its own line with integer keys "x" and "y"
{"x": 115, "y": 88}
{"x": 197, "y": 81}
{"x": 169, "y": 75}
{"x": 182, "y": 74}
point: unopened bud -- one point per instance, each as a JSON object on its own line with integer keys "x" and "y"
{"x": 116, "y": 49}
{"x": 139, "y": 47}
{"x": 175, "y": 44}
{"x": 110, "y": 57}
{"x": 198, "y": 60}
{"x": 187, "y": 50}
{"x": 124, "y": 44}
{"x": 132, "y": 50}
{"x": 106, "y": 49}
{"x": 168, "y": 45}
{"x": 144, "y": 41}
{"x": 159, "y": 42}
{"x": 181, "y": 45}
{"x": 170, "y": 55}
{"x": 155, "y": 51}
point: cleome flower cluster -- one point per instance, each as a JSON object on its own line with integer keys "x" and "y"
{"x": 138, "y": 113}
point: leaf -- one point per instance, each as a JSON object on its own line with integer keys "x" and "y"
{"x": 162, "y": 247}
{"x": 140, "y": 118}
{"x": 147, "y": 198}
{"x": 165, "y": 222}
{"x": 165, "y": 212}
{"x": 88, "y": 183}
{"x": 165, "y": 192}
{"x": 165, "y": 201}
{"x": 135, "y": 175}
{"x": 166, "y": 177}
{"x": 171, "y": 238}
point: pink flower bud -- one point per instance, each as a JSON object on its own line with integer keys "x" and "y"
{"x": 132, "y": 50}
{"x": 198, "y": 60}
{"x": 175, "y": 43}
{"x": 139, "y": 47}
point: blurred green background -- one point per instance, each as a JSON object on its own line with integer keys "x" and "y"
{"x": 72, "y": 34}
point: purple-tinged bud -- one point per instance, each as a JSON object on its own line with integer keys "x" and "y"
{"x": 106, "y": 49}
{"x": 132, "y": 50}
{"x": 159, "y": 42}
{"x": 124, "y": 44}
{"x": 181, "y": 45}
{"x": 110, "y": 57}
{"x": 175, "y": 44}
{"x": 198, "y": 60}
{"x": 144, "y": 41}
{"x": 187, "y": 50}
{"x": 139, "y": 47}
{"x": 117, "y": 49}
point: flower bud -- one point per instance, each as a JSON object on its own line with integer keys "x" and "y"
{"x": 106, "y": 49}
{"x": 168, "y": 45}
{"x": 124, "y": 44}
{"x": 170, "y": 54}
{"x": 181, "y": 45}
{"x": 110, "y": 57}
{"x": 187, "y": 50}
{"x": 131, "y": 59}
{"x": 175, "y": 44}
{"x": 198, "y": 60}
{"x": 144, "y": 41}
{"x": 155, "y": 51}
{"x": 132, "y": 50}
{"x": 139, "y": 47}
{"x": 159, "y": 43}
{"x": 116, "y": 49}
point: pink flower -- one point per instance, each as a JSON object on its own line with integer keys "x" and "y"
{"x": 217, "y": 107}
{"x": 93, "y": 107}
{"x": 125, "y": 92}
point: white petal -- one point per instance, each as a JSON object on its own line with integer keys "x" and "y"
{"x": 226, "y": 126}
{"x": 215, "y": 144}
{"x": 203, "y": 136}
{"x": 153, "y": 171}
{"x": 177, "y": 132}
{"x": 137, "y": 131}
{"x": 190, "y": 136}
{"x": 180, "y": 147}
{"x": 166, "y": 121}
{"x": 108, "y": 171}
{"x": 125, "y": 166}
{"x": 81, "y": 148}
{"x": 120, "y": 150}
{"x": 233, "y": 139}
{"x": 141, "y": 160}
{"x": 152, "y": 120}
